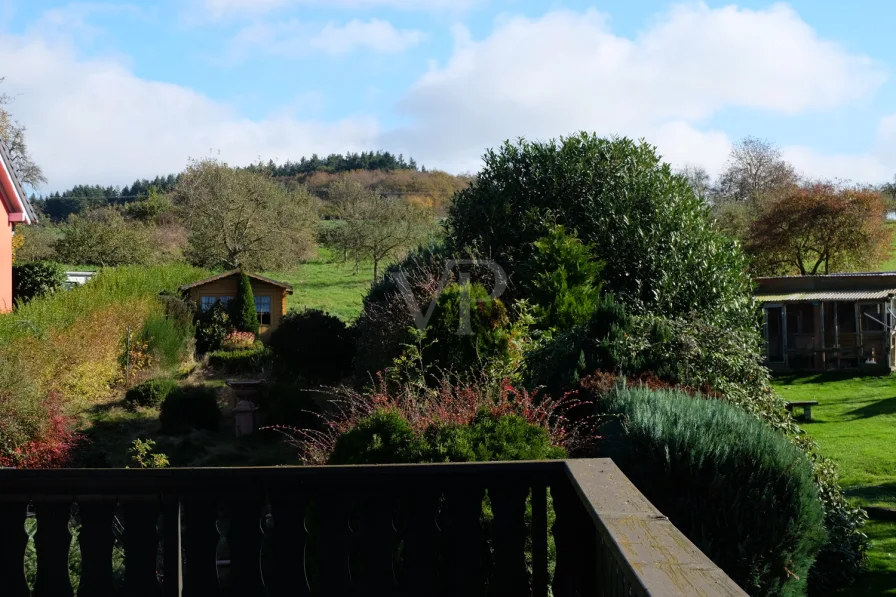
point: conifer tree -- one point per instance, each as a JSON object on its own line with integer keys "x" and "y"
{"x": 243, "y": 315}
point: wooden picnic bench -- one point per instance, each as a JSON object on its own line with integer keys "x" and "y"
{"x": 806, "y": 405}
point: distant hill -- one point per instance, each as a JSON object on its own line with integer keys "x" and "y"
{"x": 378, "y": 170}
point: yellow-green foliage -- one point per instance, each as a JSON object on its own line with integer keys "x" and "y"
{"x": 71, "y": 342}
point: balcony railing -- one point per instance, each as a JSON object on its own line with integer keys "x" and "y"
{"x": 368, "y": 530}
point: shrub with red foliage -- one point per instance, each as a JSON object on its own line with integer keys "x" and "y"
{"x": 51, "y": 447}
{"x": 238, "y": 341}
{"x": 601, "y": 382}
{"x": 450, "y": 402}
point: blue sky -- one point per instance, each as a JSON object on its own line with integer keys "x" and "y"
{"x": 111, "y": 91}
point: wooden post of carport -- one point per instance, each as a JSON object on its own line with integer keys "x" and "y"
{"x": 821, "y": 333}
{"x": 837, "y": 331}
{"x": 784, "y": 333}
{"x": 858, "y": 336}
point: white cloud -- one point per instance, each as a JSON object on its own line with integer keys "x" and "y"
{"x": 221, "y": 8}
{"x": 877, "y": 164}
{"x": 94, "y": 121}
{"x": 568, "y": 71}
{"x": 294, "y": 39}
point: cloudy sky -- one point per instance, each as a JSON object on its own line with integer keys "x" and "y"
{"x": 113, "y": 91}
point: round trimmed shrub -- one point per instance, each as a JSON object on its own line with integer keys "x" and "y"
{"x": 190, "y": 407}
{"x": 743, "y": 493}
{"x": 150, "y": 393}
{"x": 384, "y": 437}
{"x": 314, "y": 346}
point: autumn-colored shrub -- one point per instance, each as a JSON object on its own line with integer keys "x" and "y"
{"x": 238, "y": 341}
{"x": 43, "y": 440}
{"x": 68, "y": 348}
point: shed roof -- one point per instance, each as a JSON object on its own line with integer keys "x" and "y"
{"x": 827, "y": 295}
{"x": 284, "y": 285}
{"x": 856, "y": 286}
{"x": 6, "y": 158}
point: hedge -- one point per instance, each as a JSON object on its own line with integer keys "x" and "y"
{"x": 743, "y": 493}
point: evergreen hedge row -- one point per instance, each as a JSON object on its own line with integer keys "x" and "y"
{"x": 743, "y": 493}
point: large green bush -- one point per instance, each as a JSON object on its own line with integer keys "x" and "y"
{"x": 150, "y": 393}
{"x": 36, "y": 279}
{"x": 314, "y": 346}
{"x": 190, "y": 407}
{"x": 743, "y": 493}
{"x": 660, "y": 249}
{"x": 243, "y": 315}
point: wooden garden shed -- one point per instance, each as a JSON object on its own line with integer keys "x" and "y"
{"x": 270, "y": 296}
{"x": 828, "y": 322}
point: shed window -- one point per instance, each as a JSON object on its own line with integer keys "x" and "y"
{"x": 207, "y": 301}
{"x": 263, "y": 308}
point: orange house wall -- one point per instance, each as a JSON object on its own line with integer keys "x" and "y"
{"x": 5, "y": 264}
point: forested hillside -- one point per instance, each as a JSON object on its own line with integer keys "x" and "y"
{"x": 379, "y": 171}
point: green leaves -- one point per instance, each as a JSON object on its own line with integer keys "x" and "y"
{"x": 659, "y": 248}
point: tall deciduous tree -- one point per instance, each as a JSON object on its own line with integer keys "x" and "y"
{"x": 755, "y": 168}
{"x": 376, "y": 227}
{"x": 13, "y": 133}
{"x": 699, "y": 180}
{"x": 238, "y": 218}
{"x": 819, "y": 229}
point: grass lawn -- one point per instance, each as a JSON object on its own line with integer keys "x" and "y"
{"x": 855, "y": 425}
{"x": 327, "y": 283}
{"x": 890, "y": 264}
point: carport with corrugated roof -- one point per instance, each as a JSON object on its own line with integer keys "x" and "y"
{"x": 830, "y": 321}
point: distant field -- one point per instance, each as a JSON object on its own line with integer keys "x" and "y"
{"x": 327, "y": 283}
